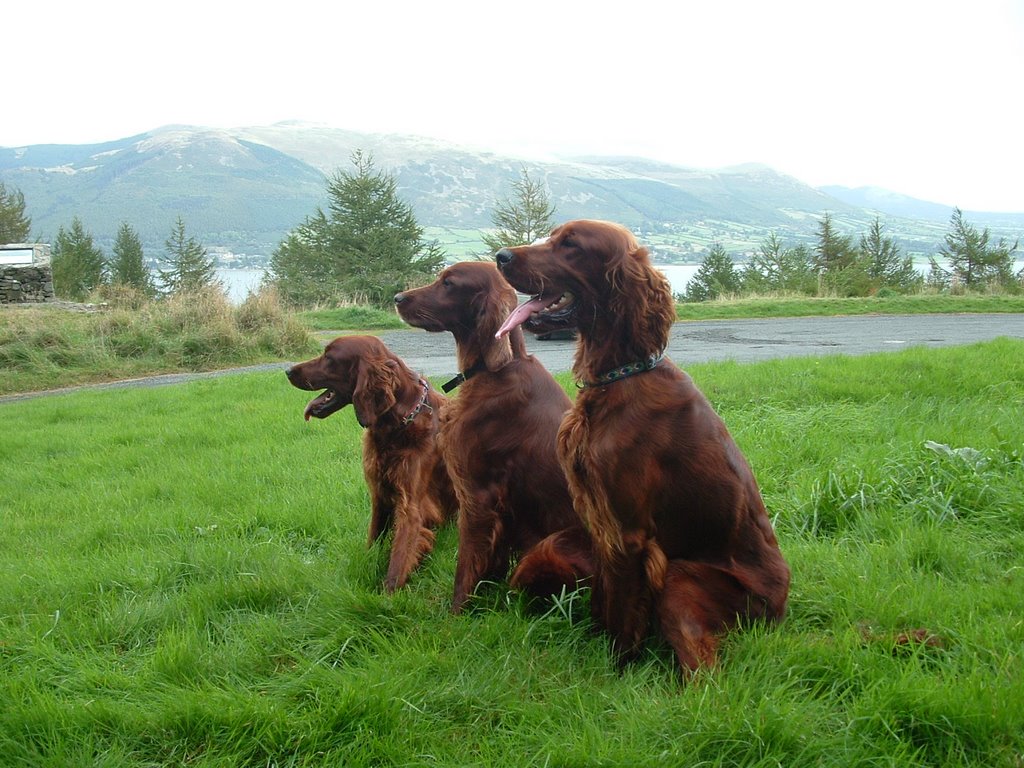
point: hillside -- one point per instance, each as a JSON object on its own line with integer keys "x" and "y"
{"x": 242, "y": 190}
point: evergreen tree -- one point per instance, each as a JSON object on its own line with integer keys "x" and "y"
{"x": 77, "y": 264}
{"x": 974, "y": 262}
{"x": 715, "y": 277}
{"x": 885, "y": 266}
{"x": 833, "y": 252}
{"x": 523, "y": 218}
{"x": 838, "y": 264}
{"x": 189, "y": 266}
{"x": 367, "y": 244}
{"x": 15, "y": 226}
{"x": 128, "y": 265}
{"x": 763, "y": 271}
{"x": 776, "y": 268}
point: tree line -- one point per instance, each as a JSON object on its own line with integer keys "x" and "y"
{"x": 837, "y": 265}
{"x": 80, "y": 267}
{"x": 366, "y": 245}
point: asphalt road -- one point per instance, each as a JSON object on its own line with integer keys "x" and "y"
{"x": 433, "y": 354}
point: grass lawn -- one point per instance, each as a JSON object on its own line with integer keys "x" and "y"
{"x": 185, "y": 581}
{"x": 770, "y": 306}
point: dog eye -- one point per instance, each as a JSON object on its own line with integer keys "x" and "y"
{"x": 446, "y": 282}
{"x": 568, "y": 242}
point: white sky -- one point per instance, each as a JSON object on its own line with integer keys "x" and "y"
{"x": 922, "y": 97}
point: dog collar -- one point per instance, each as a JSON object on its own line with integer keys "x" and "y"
{"x": 623, "y": 371}
{"x": 420, "y": 405}
{"x": 461, "y": 377}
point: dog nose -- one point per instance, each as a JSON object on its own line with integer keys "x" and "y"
{"x": 290, "y": 373}
{"x": 399, "y": 298}
{"x": 503, "y": 257}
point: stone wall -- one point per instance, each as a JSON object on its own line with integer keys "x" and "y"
{"x": 25, "y": 283}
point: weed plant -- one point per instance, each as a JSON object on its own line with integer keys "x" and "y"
{"x": 44, "y": 347}
{"x": 185, "y": 581}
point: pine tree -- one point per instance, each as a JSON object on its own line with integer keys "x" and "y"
{"x": 715, "y": 277}
{"x": 839, "y": 266}
{"x": 885, "y": 266}
{"x": 77, "y": 264}
{"x": 190, "y": 268}
{"x": 833, "y": 252}
{"x": 974, "y": 262}
{"x": 15, "y": 226}
{"x": 367, "y": 245}
{"x": 128, "y": 265}
{"x": 522, "y": 218}
{"x": 776, "y": 268}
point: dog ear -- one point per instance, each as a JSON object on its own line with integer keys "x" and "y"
{"x": 641, "y": 292}
{"x": 374, "y": 395}
{"x": 492, "y": 307}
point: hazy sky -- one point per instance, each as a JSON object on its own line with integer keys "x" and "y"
{"x": 923, "y": 97}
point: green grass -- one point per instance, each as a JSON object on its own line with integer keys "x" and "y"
{"x": 351, "y": 318}
{"x": 185, "y": 581}
{"x": 785, "y": 306}
{"x": 357, "y": 317}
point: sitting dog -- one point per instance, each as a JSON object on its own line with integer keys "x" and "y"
{"x": 679, "y": 528}
{"x": 498, "y": 440}
{"x": 409, "y": 485}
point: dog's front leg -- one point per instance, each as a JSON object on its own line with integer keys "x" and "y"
{"x": 413, "y": 537}
{"x": 483, "y": 549}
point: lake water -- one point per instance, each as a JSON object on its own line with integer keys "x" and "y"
{"x": 678, "y": 275}
{"x": 239, "y": 282}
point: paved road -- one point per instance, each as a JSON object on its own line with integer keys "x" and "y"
{"x": 433, "y": 354}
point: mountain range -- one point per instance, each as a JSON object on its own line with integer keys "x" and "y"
{"x": 242, "y": 190}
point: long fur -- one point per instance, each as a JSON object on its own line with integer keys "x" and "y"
{"x": 410, "y": 491}
{"x": 677, "y": 521}
{"x": 498, "y": 439}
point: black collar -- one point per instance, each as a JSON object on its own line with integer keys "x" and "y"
{"x": 462, "y": 376}
{"x": 624, "y": 371}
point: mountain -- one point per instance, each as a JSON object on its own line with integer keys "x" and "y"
{"x": 244, "y": 189}
{"x": 894, "y": 204}
{"x": 229, "y": 190}
{"x": 891, "y": 203}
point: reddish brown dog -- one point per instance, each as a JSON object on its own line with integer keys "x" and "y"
{"x": 410, "y": 490}
{"x": 677, "y": 520}
{"x": 498, "y": 440}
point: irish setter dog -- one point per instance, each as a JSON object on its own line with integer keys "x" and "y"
{"x": 498, "y": 439}
{"x": 409, "y": 486}
{"x": 679, "y": 529}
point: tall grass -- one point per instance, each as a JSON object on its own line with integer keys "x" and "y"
{"x": 185, "y": 581}
{"x": 43, "y": 347}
